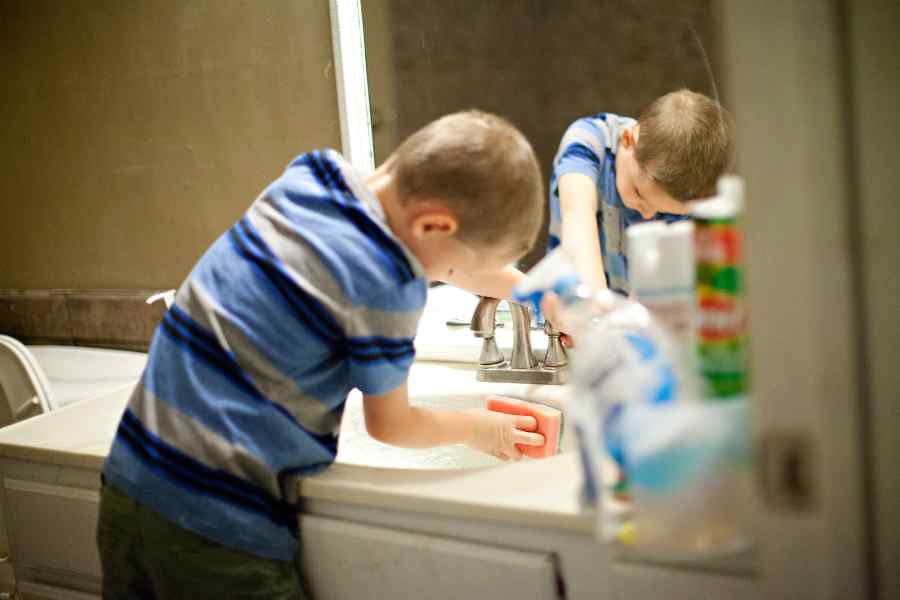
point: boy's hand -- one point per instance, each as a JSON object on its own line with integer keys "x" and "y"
{"x": 497, "y": 434}
{"x": 550, "y": 307}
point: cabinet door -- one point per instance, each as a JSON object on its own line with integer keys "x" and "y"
{"x": 632, "y": 582}
{"x": 347, "y": 560}
{"x": 52, "y": 530}
{"x": 34, "y": 591}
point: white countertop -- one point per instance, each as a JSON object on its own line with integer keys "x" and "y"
{"x": 531, "y": 493}
{"x": 78, "y": 435}
{"x": 542, "y": 493}
{"x": 534, "y": 493}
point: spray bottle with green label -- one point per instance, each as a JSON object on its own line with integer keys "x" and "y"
{"x": 721, "y": 334}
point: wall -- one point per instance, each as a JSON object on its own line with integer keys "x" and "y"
{"x": 873, "y": 49}
{"x": 135, "y": 133}
{"x": 795, "y": 150}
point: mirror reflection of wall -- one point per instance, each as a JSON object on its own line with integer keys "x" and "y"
{"x": 540, "y": 63}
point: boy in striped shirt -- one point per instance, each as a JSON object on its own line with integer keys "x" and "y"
{"x": 611, "y": 172}
{"x": 315, "y": 291}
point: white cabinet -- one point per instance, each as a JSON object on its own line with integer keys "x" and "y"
{"x": 344, "y": 560}
{"x": 352, "y": 551}
{"x": 630, "y": 581}
{"x": 36, "y": 591}
{"x": 52, "y": 533}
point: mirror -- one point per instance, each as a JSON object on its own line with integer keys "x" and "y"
{"x": 540, "y": 63}
{"x": 544, "y": 64}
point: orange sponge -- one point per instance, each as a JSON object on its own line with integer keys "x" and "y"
{"x": 549, "y": 423}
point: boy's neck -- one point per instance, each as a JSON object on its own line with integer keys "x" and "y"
{"x": 381, "y": 183}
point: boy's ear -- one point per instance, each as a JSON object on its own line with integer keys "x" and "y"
{"x": 433, "y": 223}
{"x": 630, "y": 136}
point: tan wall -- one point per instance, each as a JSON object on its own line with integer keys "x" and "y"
{"x": 799, "y": 150}
{"x": 135, "y": 133}
{"x": 874, "y": 63}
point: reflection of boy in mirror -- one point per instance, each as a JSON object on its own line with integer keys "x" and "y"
{"x": 611, "y": 172}
{"x": 315, "y": 291}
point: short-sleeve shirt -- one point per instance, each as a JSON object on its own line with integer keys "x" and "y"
{"x": 589, "y": 147}
{"x": 307, "y": 296}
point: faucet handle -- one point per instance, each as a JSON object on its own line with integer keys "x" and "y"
{"x": 549, "y": 328}
{"x": 490, "y": 356}
{"x": 556, "y": 355}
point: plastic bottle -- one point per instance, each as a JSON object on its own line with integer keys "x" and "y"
{"x": 622, "y": 357}
{"x": 689, "y": 462}
{"x": 722, "y": 345}
{"x": 635, "y": 407}
{"x": 661, "y": 271}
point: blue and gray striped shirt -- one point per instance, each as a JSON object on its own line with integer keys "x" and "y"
{"x": 589, "y": 147}
{"x": 306, "y": 297}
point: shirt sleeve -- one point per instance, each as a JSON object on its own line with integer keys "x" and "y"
{"x": 380, "y": 337}
{"x": 581, "y": 150}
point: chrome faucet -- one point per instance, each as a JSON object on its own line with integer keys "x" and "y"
{"x": 523, "y": 366}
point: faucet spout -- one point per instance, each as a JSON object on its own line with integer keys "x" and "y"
{"x": 523, "y": 366}
{"x": 522, "y": 354}
{"x": 484, "y": 319}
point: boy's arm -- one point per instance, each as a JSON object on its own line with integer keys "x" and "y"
{"x": 391, "y": 420}
{"x": 495, "y": 284}
{"x": 578, "y": 207}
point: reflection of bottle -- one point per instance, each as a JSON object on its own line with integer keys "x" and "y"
{"x": 554, "y": 273}
{"x": 721, "y": 319}
{"x": 661, "y": 271}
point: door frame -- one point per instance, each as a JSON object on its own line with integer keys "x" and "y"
{"x": 349, "y": 49}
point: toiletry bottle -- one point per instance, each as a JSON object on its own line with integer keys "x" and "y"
{"x": 721, "y": 319}
{"x": 623, "y": 357}
{"x": 661, "y": 270}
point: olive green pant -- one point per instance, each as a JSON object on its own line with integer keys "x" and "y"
{"x": 146, "y": 556}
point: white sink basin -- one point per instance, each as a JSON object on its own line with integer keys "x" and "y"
{"x": 441, "y": 386}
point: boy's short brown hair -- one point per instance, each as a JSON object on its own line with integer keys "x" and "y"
{"x": 483, "y": 169}
{"x": 685, "y": 143}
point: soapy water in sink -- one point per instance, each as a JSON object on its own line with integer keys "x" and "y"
{"x": 357, "y": 447}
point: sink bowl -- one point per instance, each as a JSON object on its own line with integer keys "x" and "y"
{"x": 441, "y": 386}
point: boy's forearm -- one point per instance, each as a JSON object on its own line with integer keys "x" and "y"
{"x": 582, "y": 240}
{"x": 580, "y": 236}
{"x": 425, "y": 428}
{"x": 390, "y": 419}
{"x": 496, "y": 284}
